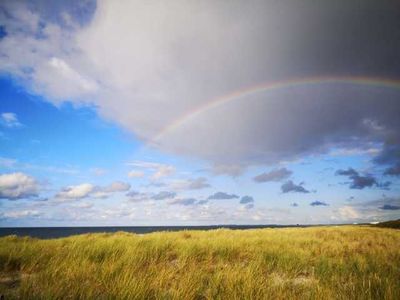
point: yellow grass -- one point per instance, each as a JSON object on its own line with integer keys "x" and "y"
{"x": 347, "y": 262}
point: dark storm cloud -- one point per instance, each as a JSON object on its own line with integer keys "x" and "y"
{"x": 354, "y": 38}
{"x": 246, "y": 199}
{"x": 362, "y": 181}
{"x": 349, "y": 36}
{"x": 318, "y": 203}
{"x": 289, "y": 186}
{"x": 349, "y": 172}
{"x": 163, "y": 195}
{"x": 391, "y": 151}
{"x": 390, "y": 155}
{"x": 358, "y": 181}
{"x": 274, "y": 175}
{"x": 389, "y": 207}
{"x": 311, "y": 122}
{"x": 222, "y": 196}
{"x": 393, "y": 171}
{"x": 384, "y": 185}
{"x": 258, "y": 41}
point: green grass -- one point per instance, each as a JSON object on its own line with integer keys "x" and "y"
{"x": 346, "y": 262}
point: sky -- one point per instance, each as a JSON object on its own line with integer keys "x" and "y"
{"x": 199, "y": 112}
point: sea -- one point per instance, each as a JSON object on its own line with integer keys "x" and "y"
{"x": 59, "y": 232}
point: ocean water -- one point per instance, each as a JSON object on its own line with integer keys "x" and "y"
{"x": 58, "y": 232}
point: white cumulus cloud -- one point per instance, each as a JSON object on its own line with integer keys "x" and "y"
{"x": 15, "y": 186}
{"x": 76, "y": 191}
{"x": 86, "y": 190}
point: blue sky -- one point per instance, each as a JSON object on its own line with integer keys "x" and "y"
{"x": 88, "y": 89}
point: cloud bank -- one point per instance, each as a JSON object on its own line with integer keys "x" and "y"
{"x": 147, "y": 65}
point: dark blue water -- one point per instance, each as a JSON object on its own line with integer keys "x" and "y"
{"x": 57, "y": 232}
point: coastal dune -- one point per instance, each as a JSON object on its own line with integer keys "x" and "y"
{"x": 331, "y": 262}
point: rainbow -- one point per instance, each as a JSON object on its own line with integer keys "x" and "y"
{"x": 272, "y": 86}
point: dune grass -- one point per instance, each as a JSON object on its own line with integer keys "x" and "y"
{"x": 346, "y": 262}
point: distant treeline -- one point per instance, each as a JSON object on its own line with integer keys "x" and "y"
{"x": 390, "y": 224}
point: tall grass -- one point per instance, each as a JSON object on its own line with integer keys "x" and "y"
{"x": 346, "y": 262}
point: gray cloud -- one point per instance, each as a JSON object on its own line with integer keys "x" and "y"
{"x": 294, "y": 204}
{"x": 183, "y": 67}
{"x": 246, "y": 199}
{"x": 222, "y": 196}
{"x": 289, "y": 186}
{"x": 232, "y": 169}
{"x": 132, "y": 194}
{"x": 163, "y": 195}
{"x": 187, "y": 201}
{"x": 390, "y": 155}
{"x": 318, "y": 203}
{"x": 191, "y": 184}
{"x": 393, "y": 171}
{"x": 184, "y": 201}
{"x": 389, "y": 207}
{"x": 349, "y": 172}
{"x": 198, "y": 183}
{"x": 359, "y": 181}
{"x": 135, "y": 196}
{"x": 274, "y": 175}
{"x": 384, "y": 185}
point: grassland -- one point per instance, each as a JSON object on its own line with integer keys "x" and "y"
{"x": 346, "y": 262}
